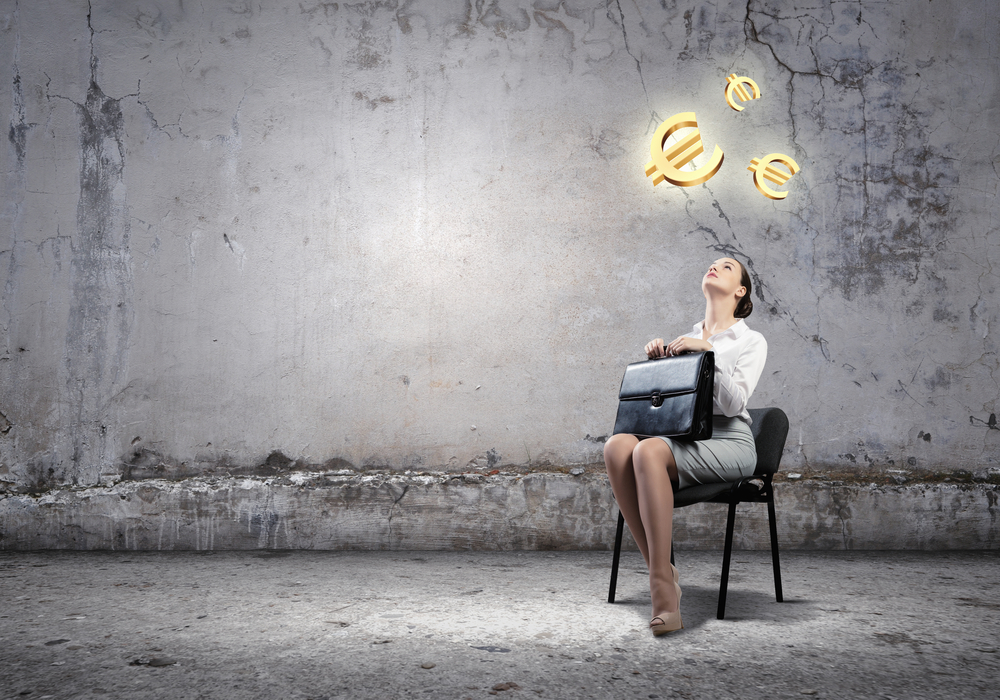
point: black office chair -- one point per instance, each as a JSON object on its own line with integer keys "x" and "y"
{"x": 770, "y": 428}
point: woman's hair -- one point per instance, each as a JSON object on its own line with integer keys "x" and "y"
{"x": 744, "y": 307}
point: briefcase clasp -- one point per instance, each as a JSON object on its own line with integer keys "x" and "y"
{"x": 657, "y": 399}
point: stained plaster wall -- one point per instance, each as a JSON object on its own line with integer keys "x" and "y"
{"x": 418, "y": 236}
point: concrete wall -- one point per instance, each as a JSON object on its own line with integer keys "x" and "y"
{"x": 418, "y": 235}
{"x": 343, "y": 510}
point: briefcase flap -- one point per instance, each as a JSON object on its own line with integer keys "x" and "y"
{"x": 670, "y": 376}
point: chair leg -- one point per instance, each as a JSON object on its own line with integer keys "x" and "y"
{"x": 774, "y": 544}
{"x": 614, "y": 562}
{"x": 724, "y": 584}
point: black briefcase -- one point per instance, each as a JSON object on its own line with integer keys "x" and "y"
{"x": 669, "y": 396}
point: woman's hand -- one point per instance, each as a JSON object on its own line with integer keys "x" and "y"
{"x": 685, "y": 343}
{"x": 654, "y": 349}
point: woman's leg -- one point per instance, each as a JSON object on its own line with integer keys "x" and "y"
{"x": 654, "y": 469}
{"x": 618, "y": 461}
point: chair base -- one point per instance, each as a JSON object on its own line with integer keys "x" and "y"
{"x": 743, "y": 491}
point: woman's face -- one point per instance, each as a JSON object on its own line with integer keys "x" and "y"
{"x": 723, "y": 277}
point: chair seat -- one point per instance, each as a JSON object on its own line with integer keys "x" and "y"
{"x": 740, "y": 491}
{"x": 700, "y": 493}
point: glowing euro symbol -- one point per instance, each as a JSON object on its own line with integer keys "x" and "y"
{"x": 763, "y": 170}
{"x": 667, "y": 164}
{"x": 735, "y": 84}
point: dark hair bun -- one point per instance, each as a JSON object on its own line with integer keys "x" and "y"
{"x": 745, "y": 307}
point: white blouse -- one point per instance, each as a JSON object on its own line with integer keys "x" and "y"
{"x": 740, "y": 354}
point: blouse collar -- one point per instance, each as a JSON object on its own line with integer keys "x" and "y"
{"x": 735, "y": 330}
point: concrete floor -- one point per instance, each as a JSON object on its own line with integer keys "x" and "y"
{"x": 309, "y": 624}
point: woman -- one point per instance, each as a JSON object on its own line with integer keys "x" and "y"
{"x": 643, "y": 473}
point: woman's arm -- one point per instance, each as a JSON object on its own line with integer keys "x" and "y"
{"x": 687, "y": 344}
{"x": 732, "y": 392}
{"x": 657, "y": 348}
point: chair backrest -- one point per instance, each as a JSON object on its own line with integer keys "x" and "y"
{"x": 770, "y": 428}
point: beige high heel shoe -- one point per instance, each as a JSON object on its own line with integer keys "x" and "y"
{"x": 668, "y": 622}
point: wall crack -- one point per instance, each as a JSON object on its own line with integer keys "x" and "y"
{"x": 654, "y": 118}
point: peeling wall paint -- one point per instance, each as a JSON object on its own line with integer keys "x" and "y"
{"x": 469, "y": 511}
{"x": 418, "y": 235}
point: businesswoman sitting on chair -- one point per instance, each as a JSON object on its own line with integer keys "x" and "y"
{"x": 644, "y": 473}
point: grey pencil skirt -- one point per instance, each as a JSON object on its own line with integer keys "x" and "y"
{"x": 729, "y": 456}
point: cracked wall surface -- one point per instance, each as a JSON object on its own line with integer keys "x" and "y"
{"x": 418, "y": 235}
{"x": 345, "y": 510}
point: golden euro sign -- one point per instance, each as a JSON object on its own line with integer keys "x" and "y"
{"x": 735, "y": 84}
{"x": 763, "y": 170}
{"x": 666, "y": 164}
